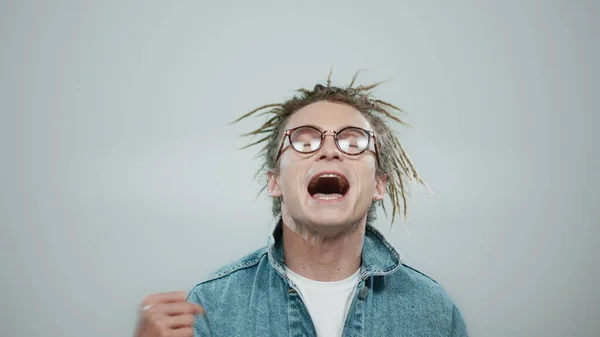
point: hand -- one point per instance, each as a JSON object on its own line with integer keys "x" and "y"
{"x": 167, "y": 315}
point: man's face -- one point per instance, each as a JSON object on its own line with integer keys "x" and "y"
{"x": 328, "y": 191}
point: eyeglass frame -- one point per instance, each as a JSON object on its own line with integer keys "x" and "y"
{"x": 288, "y": 134}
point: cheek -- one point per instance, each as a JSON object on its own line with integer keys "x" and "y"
{"x": 290, "y": 173}
{"x": 367, "y": 174}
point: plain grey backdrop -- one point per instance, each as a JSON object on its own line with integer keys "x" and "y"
{"x": 120, "y": 177}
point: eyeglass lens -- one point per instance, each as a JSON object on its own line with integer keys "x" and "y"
{"x": 350, "y": 140}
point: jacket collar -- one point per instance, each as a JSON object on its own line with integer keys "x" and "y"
{"x": 378, "y": 255}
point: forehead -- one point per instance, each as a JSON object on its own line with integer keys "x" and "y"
{"x": 328, "y": 116}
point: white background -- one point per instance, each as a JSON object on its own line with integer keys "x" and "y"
{"x": 120, "y": 177}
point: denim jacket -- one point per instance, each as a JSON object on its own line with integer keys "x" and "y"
{"x": 254, "y": 297}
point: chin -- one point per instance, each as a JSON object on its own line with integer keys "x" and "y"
{"x": 322, "y": 221}
{"x": 331, "y": 221}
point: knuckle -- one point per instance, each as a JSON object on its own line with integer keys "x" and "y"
{"x": 159, "y": 326}
{"x": 164, "y": 330}
{"x": 187, "y": 332}
{"x": 148, "y": 299}
{"x": 149, "y": 315}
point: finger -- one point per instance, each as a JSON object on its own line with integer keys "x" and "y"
{"x": 180, "y": 321}
{"x": 172, "y": 309}
{"x": 180, "y": 308}
{"x": 174, "y": 296}
{"x": 183, "y": 332}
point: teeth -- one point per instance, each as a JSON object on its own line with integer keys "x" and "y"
{"x": 329, "y": 175}
{"x": 328, "y": 197}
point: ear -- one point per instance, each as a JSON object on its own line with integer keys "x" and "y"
{"x": 273, "y": 185}
{"x": 381, "y": 184}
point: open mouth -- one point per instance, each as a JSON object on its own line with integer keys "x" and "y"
{"x": 328, "y": 186}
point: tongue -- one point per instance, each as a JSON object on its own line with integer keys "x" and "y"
{"x": 327, "y": 196}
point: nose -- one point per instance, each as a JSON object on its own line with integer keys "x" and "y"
{"x": 329, "y": 151}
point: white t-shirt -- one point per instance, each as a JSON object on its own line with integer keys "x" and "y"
{"x": 327, "y": 302}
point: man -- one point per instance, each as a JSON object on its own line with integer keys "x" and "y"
{"x": 329, "y": 157}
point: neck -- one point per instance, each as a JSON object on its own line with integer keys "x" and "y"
{"x": 323, "y": 257}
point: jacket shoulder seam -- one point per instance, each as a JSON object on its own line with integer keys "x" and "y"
{"x": 420, "y": 272}
{"x": 232, "y": 268}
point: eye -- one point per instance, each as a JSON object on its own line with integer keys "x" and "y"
{"x": 305, "y": 139}
{"x": 353, "y": 140}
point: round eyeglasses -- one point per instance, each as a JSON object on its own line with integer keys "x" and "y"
{"x": 309, "y": 139}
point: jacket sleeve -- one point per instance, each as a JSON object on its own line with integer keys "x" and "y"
{"x": 201, "y": 326}
{"x": 459, "y": 328}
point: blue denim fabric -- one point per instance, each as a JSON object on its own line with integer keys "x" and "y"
{"x": 254, "y": 297}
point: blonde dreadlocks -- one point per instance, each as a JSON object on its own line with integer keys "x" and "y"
{"x": 394, "y": 163}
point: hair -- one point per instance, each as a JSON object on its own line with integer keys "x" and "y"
{"x": 394, "y": 162}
